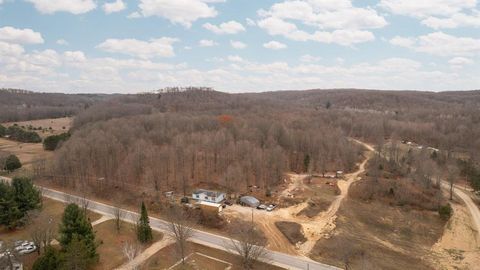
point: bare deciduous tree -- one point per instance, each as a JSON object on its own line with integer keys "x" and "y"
{"x": 118, "y": 216}
{"x": 43, "y": 233}
{"x": 181, "y": 231}
{"x": 248, "y": 246}
{"x": 131, "y": 250}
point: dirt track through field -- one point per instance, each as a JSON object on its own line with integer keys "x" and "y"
{"x": 314, "y": 228}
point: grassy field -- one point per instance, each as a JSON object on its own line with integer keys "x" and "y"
{"x": 47, "y": 126}
{"x": 206, "y": 258}
{"x": 112, "y": 242}
{"x": 26, "y": 152}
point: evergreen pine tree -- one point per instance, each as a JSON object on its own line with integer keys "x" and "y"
{"x": 48, "y": 261}
{"x": 75, "y": 225}
{"x": 144, "y": 232}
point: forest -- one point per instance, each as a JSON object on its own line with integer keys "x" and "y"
{"x": 181, "y": 139}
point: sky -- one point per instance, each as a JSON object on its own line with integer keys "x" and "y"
{"x": 130, "y": 46}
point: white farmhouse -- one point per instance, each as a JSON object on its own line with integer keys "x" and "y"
{"x": 208, "y": 196}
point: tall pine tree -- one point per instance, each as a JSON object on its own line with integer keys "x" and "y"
{"x": 144, "y": 232}
{"x": 75, "y": 225}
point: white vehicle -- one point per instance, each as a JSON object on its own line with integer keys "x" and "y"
{"x": 27, "y": 250}
{"x": 271, "y": 207}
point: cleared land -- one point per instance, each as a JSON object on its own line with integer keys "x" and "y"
{"x": 209, "y": 259}
{"x": 26, "y": 152}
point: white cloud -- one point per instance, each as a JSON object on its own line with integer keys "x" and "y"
{"x": 231, "y": 27}
{"x": 460, "y": 61}
{"x": 426, "y": 8}
{"x": 7, "y": 49}
{"x": 62, "y": 42}
{"x": 112, "y": 7}
{"x": 238, "y": 44}
{"x": 21, "y": 36}
{"x": 440, "y": 44}
{"x": 207, "y": 43}
{"x": 250, "y": 22}
{"x": 134, "y": 15}
{"x": 72, "y": 6}
{"x": 346, "y": 37}
{"x": 161, "y": 47}
{"x": 74, "y": 56}
{"x": 183, "y": 12}
{"x": 307, "y": 58}
{"x": 235, "y": 58}
{"x": 274, "y": 45}
{"x": 454, "y": 21}
{"x": 437, "y": 13}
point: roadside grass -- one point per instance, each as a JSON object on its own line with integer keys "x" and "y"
{"x": 111, "y": 243}
{"x": 167, "y": 257}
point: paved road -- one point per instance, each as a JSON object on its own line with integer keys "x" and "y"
{"x": 472, "y": 207}
{"x": 204, "y": 238}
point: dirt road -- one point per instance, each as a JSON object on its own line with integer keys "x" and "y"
{"x": 314, "y": 228}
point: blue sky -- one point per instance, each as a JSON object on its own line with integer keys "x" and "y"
{"x": 129, "y": 46}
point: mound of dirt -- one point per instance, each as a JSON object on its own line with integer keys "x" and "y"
{"x": 292, "y": 231}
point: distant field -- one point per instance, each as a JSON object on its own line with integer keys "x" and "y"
{"x": 26, "y": 152}
{"x": 57, "y": 125}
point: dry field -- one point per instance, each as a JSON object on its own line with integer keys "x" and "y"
{"x": 57, "y": 125}
{"x": 26, "y": 152}
{"x": 209, "y": 258}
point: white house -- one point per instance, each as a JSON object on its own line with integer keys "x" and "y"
{"x": 208, "y": 196}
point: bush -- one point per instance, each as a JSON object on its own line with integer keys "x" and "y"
{"x": 18, "y": 134}
{"x": 51, "y": 142}
{"x": 3, "y": 131}
{"x": 445, "y": 212}
{"x": 12, "y": 163}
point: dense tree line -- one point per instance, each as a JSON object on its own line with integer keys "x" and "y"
{"x": 20, "y": 105}
{"x": 16, "y": 200}
{"x": 166, "y": 151}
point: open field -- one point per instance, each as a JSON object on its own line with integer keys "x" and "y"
{"x": 26, "y": 152}
{"x": 112, "y": 242}
{"x": 202, "y": 258}
{"x": 47, "y": 126}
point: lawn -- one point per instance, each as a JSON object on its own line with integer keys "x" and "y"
{"x": 112, "y": 242}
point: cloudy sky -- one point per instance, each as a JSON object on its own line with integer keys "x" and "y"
{"x": 131, "y": 46}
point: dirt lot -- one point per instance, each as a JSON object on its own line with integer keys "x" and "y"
{"x": 167, "y": 257}
{"x": 51, "y": 211}
{"x": 293, "y": 231}
{"x": 57, "y": 125}
{"x": 111, "y": 243}
{"x": 395, "y": 239}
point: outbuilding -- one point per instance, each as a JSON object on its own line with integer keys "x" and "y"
{"x": 249, "y": 201}
{"x": 210, "y": 207}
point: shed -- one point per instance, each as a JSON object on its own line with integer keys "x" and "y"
{"x": 249, "y": 201}
{"x": 210, "y": 207}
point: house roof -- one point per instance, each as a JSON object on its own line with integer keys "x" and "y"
{"x": 209, "y": 193}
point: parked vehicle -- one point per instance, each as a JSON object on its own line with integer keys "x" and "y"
{"x": 271, "y": 207}
{"x": 262, "y": 207}
{"x": 229, "y": 203}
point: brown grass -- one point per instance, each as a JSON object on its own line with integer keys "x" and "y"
{"x": 26, "y": 152}
{"x": 378, "y": 236}
{"x": 58, "y": 125}
{"x": 111, "y": 243}
{"x": 320, "y": 193}
{"x": 292, "y": 231}
{"x": 167, "y": 257}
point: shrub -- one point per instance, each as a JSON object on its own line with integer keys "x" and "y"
{"x": 12, "y": 163}
{"x": 51, "y": 142}
{"x": 3, "y": 131}
{"x": 18, "y": 134}
{"x": 445, "y": 211}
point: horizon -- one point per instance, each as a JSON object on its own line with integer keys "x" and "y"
{"x": 127, "y": 46}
